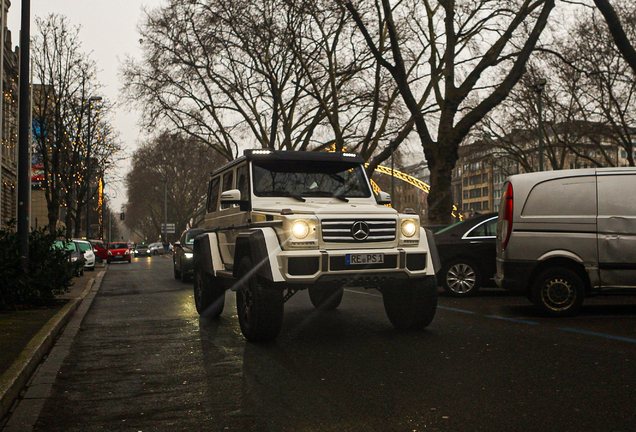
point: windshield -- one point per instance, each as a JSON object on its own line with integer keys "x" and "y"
{"x": 84, "y": 246}
{"x": 64, "y": 245}
{"x": 310, "y": 178}
{"x": 118, "y": 246}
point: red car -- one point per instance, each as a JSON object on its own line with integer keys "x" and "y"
{"x": 118, "y": 252}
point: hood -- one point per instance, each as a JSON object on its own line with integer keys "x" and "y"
{"x": 325, "y": 208}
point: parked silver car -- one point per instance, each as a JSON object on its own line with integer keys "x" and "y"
{"x": 564, "y": 235}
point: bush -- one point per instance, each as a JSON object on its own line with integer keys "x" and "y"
{"x": 49, "y": 273}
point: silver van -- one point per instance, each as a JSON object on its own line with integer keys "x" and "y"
{"x": 564, "y": 235}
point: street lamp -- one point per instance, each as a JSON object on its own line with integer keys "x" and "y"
{"x": 88, "y": 166}
{"x": 538, "y": 88}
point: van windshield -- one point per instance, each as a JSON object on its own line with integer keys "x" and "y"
{"x": 310, "y": 178}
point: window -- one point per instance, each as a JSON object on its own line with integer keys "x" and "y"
{"x": 465, "y": 181}
{"x": 242, "y": 182}
{"x": 465, "y": 194}
{"x": 485, "y": 205}
{"x": 484, "y": 178}
{"x": 228, "y": 178}
{"x": 575, "y": 196}
{"x": 213, "y": 194}
{"x": 487, "y": 229}
{"x": 475, "y": 193}
{"x": 484, "y": 192}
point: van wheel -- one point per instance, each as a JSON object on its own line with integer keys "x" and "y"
{"x": 325, "y": 299}
{"x": 461, "y": 278}
{"x": 558, "y": 292}
{"x": 411, "y": 306}
{"x": 209, "y": 294}
{"x": 259, "y": 305}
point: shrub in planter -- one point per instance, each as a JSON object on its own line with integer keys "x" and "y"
{"x": 49, "y": 273}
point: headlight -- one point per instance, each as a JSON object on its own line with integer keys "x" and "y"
{"x": 110, "y": 253}
{"x": 188, "y": 255}
{"x": 300, "y": 229}
{"x": 409, "y": 228}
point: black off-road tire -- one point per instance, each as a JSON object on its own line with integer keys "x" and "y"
{"x": 258, "y": 304}
{"x": 460, "y": 278}
{"x": 558, "y": 292}
{"x": 209, "y": 294}
{"x": 325, "y": 299}
{"x": 411, "y": 306}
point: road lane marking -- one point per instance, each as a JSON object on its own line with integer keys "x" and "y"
{"x": 608, "y": 336}
{"x": 456, "y": 310}
{"x": 520, "y": 321}
{"x": 512, "y": 319}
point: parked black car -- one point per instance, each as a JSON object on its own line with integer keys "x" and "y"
{"x": 467, "y": 252}
{"x": 182, "y": 254}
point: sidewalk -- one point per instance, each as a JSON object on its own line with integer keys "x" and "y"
{"x": 27, "y": 336}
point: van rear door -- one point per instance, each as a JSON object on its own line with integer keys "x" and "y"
{"x": 617, "y": 228}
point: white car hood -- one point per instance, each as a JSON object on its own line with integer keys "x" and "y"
{"x": 324, "y": 207}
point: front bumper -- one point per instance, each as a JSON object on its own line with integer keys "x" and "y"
{"x": 333, "y": 267}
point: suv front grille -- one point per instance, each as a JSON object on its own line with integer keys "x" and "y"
{"x": 342, "y": 230}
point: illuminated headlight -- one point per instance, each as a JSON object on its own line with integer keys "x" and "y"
{"x": 73, "y": 259}
{"x": 409, "y": 228}
{"x": 188, "y": 255}
{"x": 300, "y": 229}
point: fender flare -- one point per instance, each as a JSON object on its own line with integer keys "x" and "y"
{"x": 262, "y": 246}
{"x": 206, "y": 253}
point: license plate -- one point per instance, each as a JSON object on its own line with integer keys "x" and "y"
{"x": 369, "y": 258}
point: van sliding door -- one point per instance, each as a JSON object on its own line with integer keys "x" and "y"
{"x": 617, "y": 229}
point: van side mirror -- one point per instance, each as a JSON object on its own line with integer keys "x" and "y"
{"x": 384, "y": 198}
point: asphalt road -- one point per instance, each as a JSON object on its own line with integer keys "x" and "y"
{"x": 145, "y": 361}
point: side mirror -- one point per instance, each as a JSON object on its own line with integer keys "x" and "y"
{"x": 384, "y": 198}
{"x": 177, "y": 244}
{"x": 233, "y": 196}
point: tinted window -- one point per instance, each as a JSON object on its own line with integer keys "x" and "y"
{"x": 227, "y": 185}
{"x": 310, "y": 178}
{"x": 213, "y": 195}
{"x": 242, "y": 183}
{"x": 118, "y": 246}
{"x": 190, "y": 235}
{"x": 574, "y": 196}
{"x": 488, "y": 229}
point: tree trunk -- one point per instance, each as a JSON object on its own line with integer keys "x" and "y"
{"x": 440, "y": 197}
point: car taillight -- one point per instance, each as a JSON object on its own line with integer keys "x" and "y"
{"x": 506, "y": 226}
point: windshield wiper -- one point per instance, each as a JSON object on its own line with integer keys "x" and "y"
{"x": 286, "y": 194}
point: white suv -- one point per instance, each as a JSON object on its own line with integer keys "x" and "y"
{"x": 279, "y": 222}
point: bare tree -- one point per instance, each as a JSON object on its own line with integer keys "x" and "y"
{"x": 476, "y": 53}
{"x": 180, "y": 163}
{"x": 623, "y": 42}
{"x": 589, "y": 109}
{"x": 65, "y": 78}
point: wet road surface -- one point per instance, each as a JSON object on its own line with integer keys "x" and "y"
{"x": 145, "y": 361}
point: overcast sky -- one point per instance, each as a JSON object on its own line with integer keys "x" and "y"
{"x": 108, "y": 33}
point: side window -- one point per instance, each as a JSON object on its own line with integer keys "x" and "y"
{"x": 488, "y": 229}
{"x": 228, "y": 177}
{"x": 242, "y": 182}
{"x": 213, "y": 195}
{"x": 573, "y": 196}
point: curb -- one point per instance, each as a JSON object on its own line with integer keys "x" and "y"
{"x": 13, "y": 381}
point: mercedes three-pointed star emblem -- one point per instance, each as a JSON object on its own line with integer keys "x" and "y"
{"x": 360, "y": 230}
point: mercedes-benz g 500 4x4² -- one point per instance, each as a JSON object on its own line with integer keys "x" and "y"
{"x": 279, "y": 222}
